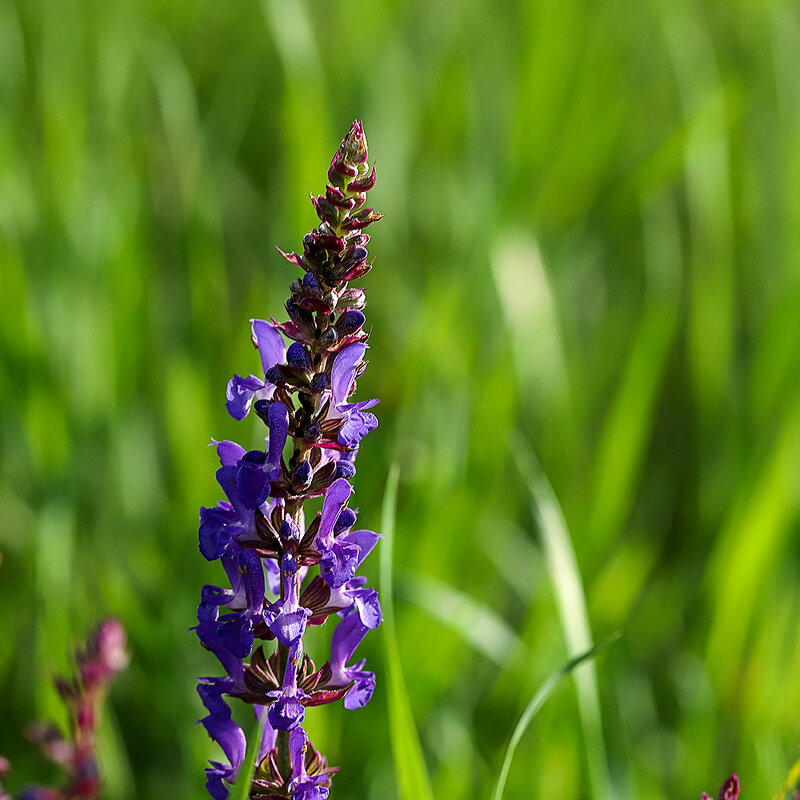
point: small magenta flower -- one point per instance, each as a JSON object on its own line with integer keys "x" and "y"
{"x": 260, "y": 533}
{"x": 729, "y": 790}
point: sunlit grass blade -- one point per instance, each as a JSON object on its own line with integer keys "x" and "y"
{"x": 791, "y": 783}
{"x": 532, "y": 709}
{"x": 241, "y": 789}
{"x": 412, "y": 774}
{"x": 562, "y": 567}
{"x": 476, "y": 623}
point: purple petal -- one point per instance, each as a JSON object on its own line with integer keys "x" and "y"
{"x": 361, "y": 692}
{"x": 343, "y": 372}
{"x": 227, "y": 479}
{"x": 288, "y": 627}
{"x": 230, "y": 737}
{"x": 359, "y": 423}
{"x": 286, "y": 713}
{"x": 336, "y": 497}
{"x": 364, "y": 539}
{"x": 344, "y": 521}
{"x": 229, "y": 452}
{"x": 217, "y": 525}
{"x": 252, "y": 479}
{"x": 246, "y": 574}
{"x": 278, "y": 431}
{"x": 339, "y": 563}
{"x": 346, "y": 638}
{"x": 211, "y": 691}
{"x": 269, "y": 342}
{"x": 368, "y": 607}
{"x": 273, "y": 576}
{"x": 309, "y": 790}
{"x": 240, "y": 394}
{"x": 214, "y": 785}
{"x": 297, "y": 752}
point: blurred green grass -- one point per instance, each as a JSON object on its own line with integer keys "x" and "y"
{"x": 592, "y": 237}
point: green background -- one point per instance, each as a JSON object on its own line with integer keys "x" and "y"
{"x": 590, "y": 259}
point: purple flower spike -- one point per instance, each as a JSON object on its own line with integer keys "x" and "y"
{"x": 304, "y": 396}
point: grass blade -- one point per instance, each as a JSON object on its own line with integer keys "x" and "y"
{"x": 532, "y": 709}
{"x": 241, "y": 789}
{"x": 791, "y": 783}
{"x": 412, "y": 774}
{"x": 565, "y": 576}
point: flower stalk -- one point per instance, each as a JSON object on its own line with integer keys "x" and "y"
{"x": 262, "y": 533}
{"x": 83, "y": 694}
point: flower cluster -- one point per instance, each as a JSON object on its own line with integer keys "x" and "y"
{"x": 260, "y": 532}
{"x": 729, "y": 790}
{"x": 97, "y": 666}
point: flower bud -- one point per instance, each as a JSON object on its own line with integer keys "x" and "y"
{"x": 319, "y": 383}
{"x": 351, "y": 298}
{"x": 363, "y": 184}
{"x": 289, "y": 531}
{"x": 349, "y": 322}
{"x": 297, "y": 357}
{"x": 344, "y": 469}
{"x": 313, "y": 432}
{"x": 302, "y": 476}
{"x": 261, "y": 407}
{"x": 328, "y": 338}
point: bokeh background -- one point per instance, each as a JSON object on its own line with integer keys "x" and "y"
{"x": 586, "y": 330}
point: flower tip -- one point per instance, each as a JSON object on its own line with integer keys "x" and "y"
{"x": 355, "y": 143}
{"x": 109, "y": 644}
{"x": 730, "y": 789}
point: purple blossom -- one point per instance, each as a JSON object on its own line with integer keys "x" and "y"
{"x": 348, "y": 635}
{"x": 358, "y": 422}
{"x": 228, "y": 519}
{"x": 243, "y": 391}
{"x": 341, "y": 555}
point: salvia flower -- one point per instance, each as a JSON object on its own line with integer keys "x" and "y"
{"x": 729, "y": 790}
{"x": 96, "y": 666}
{"x": 313, "y": 428}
